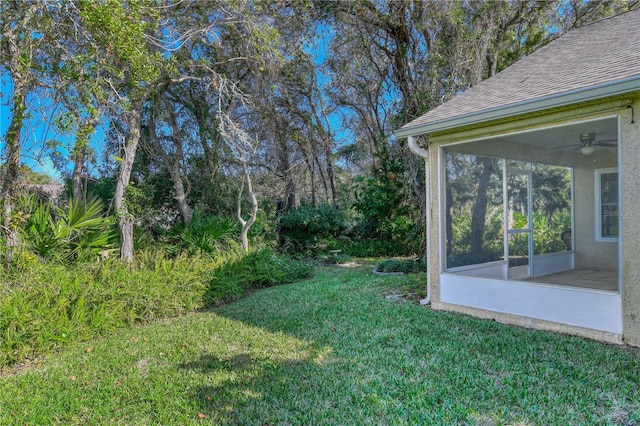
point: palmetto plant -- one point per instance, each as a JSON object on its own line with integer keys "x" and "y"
{"x": 547, "y": 231}
{"x": 205, "y": 234}
{"x": 79, "y": 231}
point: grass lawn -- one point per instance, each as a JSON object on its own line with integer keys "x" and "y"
{"x": 331, "y": 350}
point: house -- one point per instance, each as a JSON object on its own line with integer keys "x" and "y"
{"x": 533, "y": 188}
{"x": 52, "y": 192}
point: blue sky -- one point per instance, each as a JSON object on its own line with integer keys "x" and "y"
{"x": 38, "y": 129}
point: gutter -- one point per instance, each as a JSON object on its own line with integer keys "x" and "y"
{"x": 589, "y": 94}
{"x": 424, "y": 154}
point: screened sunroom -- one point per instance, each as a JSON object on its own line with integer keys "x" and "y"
{"x": 529, "y": 223}
{"x": 536, "y": 206}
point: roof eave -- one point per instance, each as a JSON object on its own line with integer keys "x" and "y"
{"x": 592, "y": 93}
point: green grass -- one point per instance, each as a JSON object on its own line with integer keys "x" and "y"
{"x": 331, "y": 350}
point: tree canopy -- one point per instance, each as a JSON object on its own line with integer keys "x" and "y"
{"x": 250, "y": 108}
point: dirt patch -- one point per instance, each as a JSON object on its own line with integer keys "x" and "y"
{"x": 15, "y": 369}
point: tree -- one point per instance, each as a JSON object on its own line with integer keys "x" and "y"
{"x": 75, "y": 77}
{"x": 82, "y": 117}
{"x": 393, "y": 61}
{"x": 30, "y": 176}
{"x": 193, "y": 99}
{"x": 575, "y": 13}
{"x": 307, "y": 101}
{"x": 172, "y": 160}
{"x": 120, "y": 31}
{"x": 241, "y": 144}
{"x": 24, "y": 34}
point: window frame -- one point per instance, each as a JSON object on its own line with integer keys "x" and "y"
{"x": 598, "y": 204}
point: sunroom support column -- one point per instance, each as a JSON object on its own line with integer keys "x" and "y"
{"x": 629, "y": 169}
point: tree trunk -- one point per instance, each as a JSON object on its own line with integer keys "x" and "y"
{"x": 206, "y": 128}
{"x": 181, "y": 194}
{"x": 323, "y": 180}
{"x": 284, "y": 172}
{"x": 322, "y": 119}
{"x": 173, "y": 166}
{"x": 246, "y": 224}
{"x": 181, "y": 198}
{"x": 125, "y": 218}
{"x": 312, "y": 174}
{"x": 330, "y": 173}
{"x": 479, "y": 213}
{"x": 77, "y": 190}
{"x": 14, "y": 60}
{"x": 125, "y": 224}
{"x": 210, "y": 158}
{"x": 80, "y": 155}
{"x": 80, "y": 158}
{"x": 10, "y": 183}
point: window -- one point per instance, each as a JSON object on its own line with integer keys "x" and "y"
{"x": 607, "y": 209}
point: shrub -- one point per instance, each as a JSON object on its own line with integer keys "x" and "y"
{"x": 309, "y": 231}
{"x": 79, "y": 231}
{"x": 387, "y": 222}
{"x": 204, "y": 235}
{"x": 257, "y": 269}
{"x": 46, "y": 306}
{"x": 361, "y": 247}
{"x": 407, "y": 266}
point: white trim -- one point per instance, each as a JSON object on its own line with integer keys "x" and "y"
{"x": 550, "y": 263}
{"x": 598, "y": 204}
{"x": 573, "y": 216}
{"x": 511, "y": 133}
{"x": 545, "y": 264}
{"x": 464, "y": 268}
{"x": 565, "y": 99}
{"x": 621, "y": 207}
{"x": 586, "y": 308}
{"x": 497, "y": 270}
{"x": 442, "y": 204}
{"x": 519, "y": 271}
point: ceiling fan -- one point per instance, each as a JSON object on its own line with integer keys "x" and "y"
{"x": 588, "y": 143}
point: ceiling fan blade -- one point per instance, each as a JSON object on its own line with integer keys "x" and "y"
{"x": 568, "y": 146}
{"x": 609, "y": 143}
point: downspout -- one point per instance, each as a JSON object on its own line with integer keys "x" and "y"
{"x": 424, "y": 154}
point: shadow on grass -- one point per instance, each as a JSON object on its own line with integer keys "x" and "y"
{"x": 249, "y": 389}
{"x": 400, "y": 362}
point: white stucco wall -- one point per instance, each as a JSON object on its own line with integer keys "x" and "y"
{"x": 590, "y": 253}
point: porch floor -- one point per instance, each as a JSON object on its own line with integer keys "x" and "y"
{"x": 582, "y": 278}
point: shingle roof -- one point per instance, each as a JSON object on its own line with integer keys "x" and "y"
{"x": 603, "y": 52}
